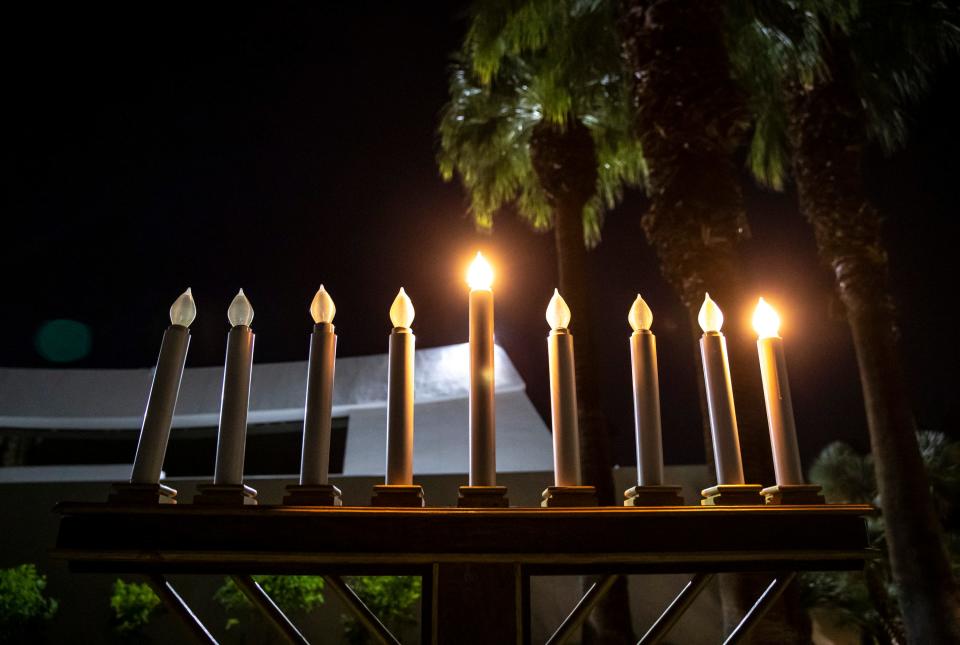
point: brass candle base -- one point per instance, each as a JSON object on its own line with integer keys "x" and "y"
{"x": 398, "y": 496}
{"x": 483, "y": 497}
{"x": 653, "y": 496}
{"x": 793, "y": 494}
{"x": 732, "y": 495}
{"x": 569, "y": 496}
{"x": 127, "y": 493}
{"x": 225, "y": 495}
{"x": 312, "y": 495}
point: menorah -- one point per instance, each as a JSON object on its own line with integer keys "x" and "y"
{"x": 475, "y": 560}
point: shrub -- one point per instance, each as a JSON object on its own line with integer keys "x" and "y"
{"x": 392, "y": 599}
{"x": 133, "y": 603}
{"x": 23, "y": 607}
{"x": 291, "y": 593}
{"x": 868, "y": 598}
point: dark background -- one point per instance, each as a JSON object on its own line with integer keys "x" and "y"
{"x": 274, "y": 147}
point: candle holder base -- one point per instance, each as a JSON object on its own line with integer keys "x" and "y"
{"x": 653, "y": 496}
{"x": 129, "y": 493}
{"x": 732, "y": 495}
{"x": 569, "y": 496}
{"x": 787, "y": 494}
{"x": 398, "y": 495}
{"x": 312, "y": 495}
{"x": 483, "y": 497}
{"x": 225, "y": 495}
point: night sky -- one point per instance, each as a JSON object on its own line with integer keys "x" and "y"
{"x": 276, "y": 146}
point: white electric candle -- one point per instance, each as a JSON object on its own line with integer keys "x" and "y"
{"x": 646, "y": 395}
{"x": 155, "y": 431}
{"x": 483, "y": 458}
{"x": 318, "y": 410}
{"x": 563, "y": 394}
{"x": 235, "y": 399}
{"x": 776, "y": 395}
{"x": 716, "y": 376}
{"x": 400, "y": 387}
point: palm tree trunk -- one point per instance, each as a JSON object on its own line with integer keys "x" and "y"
{"x": 828, "y": 136}
{"x": 691, "y": 118}
{"x": 610, "y": 620}
{"x": 565, "y": 162}
{"x": 595, "y": 452}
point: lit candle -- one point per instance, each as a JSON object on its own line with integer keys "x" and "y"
{"x": 776, "y": 394}
{"x": 400, "y": 393}
{"x": 155, "y": 432}
{"x": 646, "y": 395}
{"x": 231, "y": 439}
{"x": 563, "y": 394}
{"x": 483, "y": 460}
{"x": 716, "y": 376}
{"x": 315, "y": 458}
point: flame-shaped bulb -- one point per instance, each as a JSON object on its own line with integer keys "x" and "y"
{"x": 480, "y": 273}
{"x": 765, "y": 320}
{"x": 322, "y": 308}
{"x": 640, "y": 316}
{"x": 710, "y": 316}
{"x": 558, "y": 313}
{"x": 183, "y": 310}
{"x": 240, "y": 311}
{"x": 401, "y": 311}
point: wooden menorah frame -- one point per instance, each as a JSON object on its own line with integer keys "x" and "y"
{"x": 475, "y": 564}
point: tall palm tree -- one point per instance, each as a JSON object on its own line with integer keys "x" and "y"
{"x": 550, "y": 133}
{"x": 827, "y": 78}
{"x": 692, "y": 117}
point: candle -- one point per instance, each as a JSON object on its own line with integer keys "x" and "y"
{"x": 400, "y": 393}
{"x": 646, "y": 395}
{"x": 563, "y": 394}
{"x": 232, "y": 436}
{"x": 155, "y": 432}
{"x": 315, "y": 457}
{"x": 483, "y": 460}
{"x": 776, "y": 395}
{"x": 716, "y": 376}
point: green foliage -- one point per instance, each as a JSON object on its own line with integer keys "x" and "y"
{"x": 868, "y": 599}
{"x": 291, "y": 593}
{"x": 392, "y": 599}
{"x": 846, "y": 475}
{"x": 509, "y": 77}
{"x": 133, "y": 604}
{"x": 23, "y": 607}
{"x": 786, "y": 46}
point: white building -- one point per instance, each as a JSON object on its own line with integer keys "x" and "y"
{"x": 65, "y": 414}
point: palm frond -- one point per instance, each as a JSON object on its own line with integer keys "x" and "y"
{"x": 778, "y": 47}
{"x": 524, "y": 62}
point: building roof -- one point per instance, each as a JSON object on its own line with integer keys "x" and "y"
{"x": 77, "y": 399}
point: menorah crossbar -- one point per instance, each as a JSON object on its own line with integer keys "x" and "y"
{"x": 475, "y": 563}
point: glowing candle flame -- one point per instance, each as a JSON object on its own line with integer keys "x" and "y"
{"x": 183, "y": 310}
{"x": 322, "y": 308}
{"x": 480, "y": 273}
{"x": 558, "y": 313}
{"x": 710, "y": 316}
{"x": 240, "y": 311}
{"x": 765, "y": 320}
{"x": 640, "y": 316}
{"x": 401, "y": 311}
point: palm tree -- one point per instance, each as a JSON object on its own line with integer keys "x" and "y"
{"x": 828, "y": 78}
{"x": 692, "y": 117}
{"x": 550, "y": 133}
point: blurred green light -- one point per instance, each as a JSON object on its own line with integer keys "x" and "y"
{"x": 63, "y": 341}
